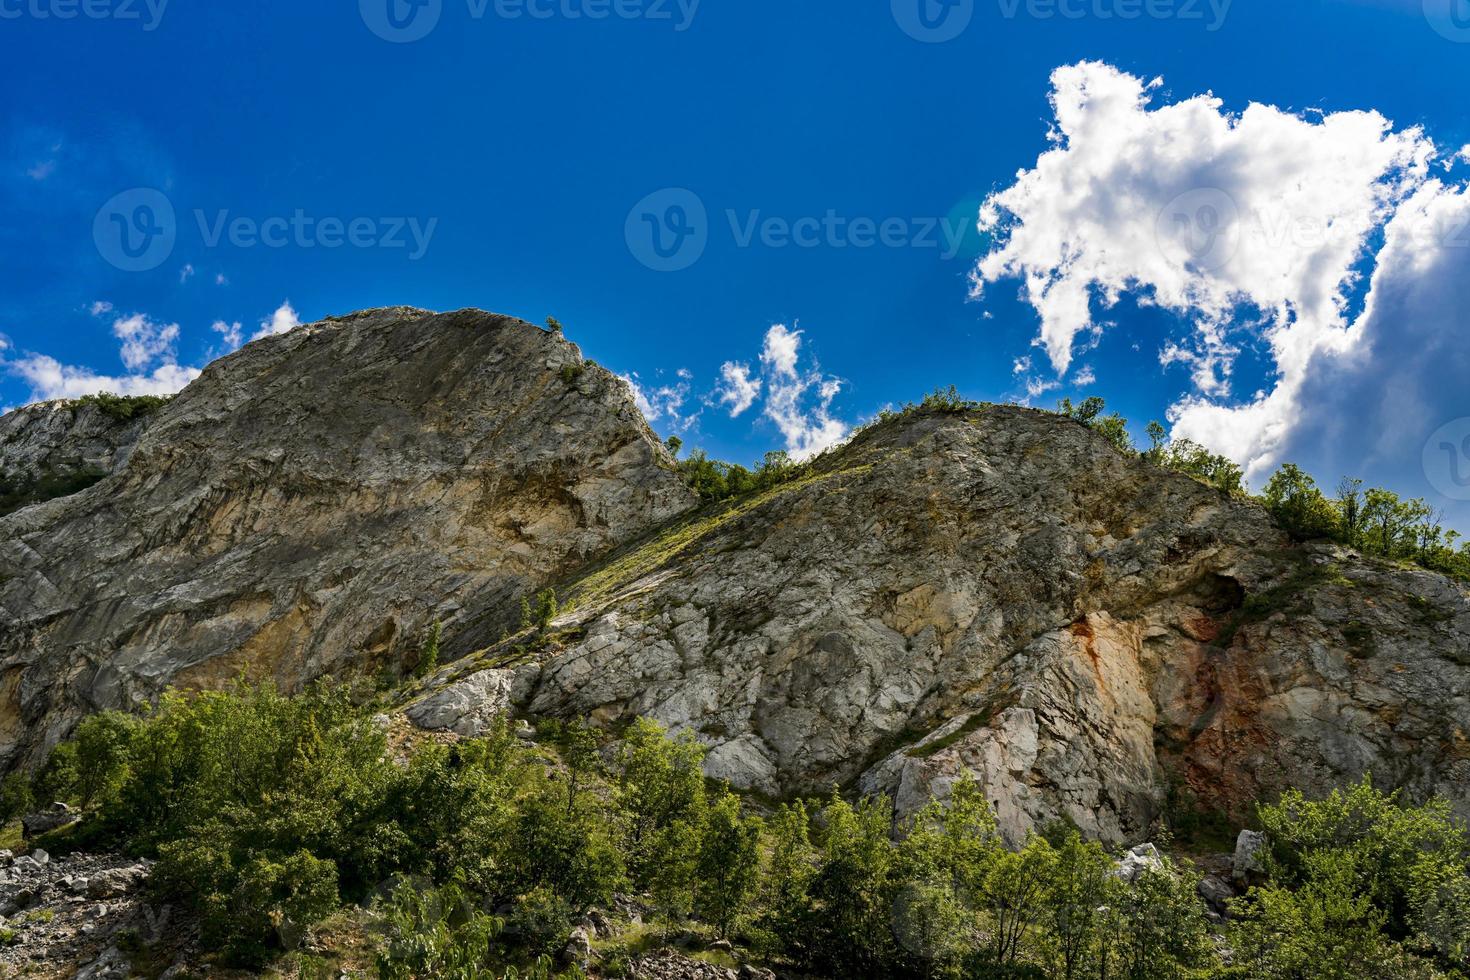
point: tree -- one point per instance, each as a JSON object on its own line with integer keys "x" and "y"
{"x": 553, "y": 325}
{"x": 673, "y": 444}
{"x": 1387, "y": 522}
{"x": 103, "y": 753}
{"x": 429, "y": 650}
{"x": 785, "y": 893}
{"x": 1185, "y": 456}
{"x": 16, "y": 796}
{"x": 1113, "y": 427}
{"x": 729, "y": 862}
{"x": 1156, "y": 437}
{"x": 1293, "y": 499}
{"x": 1158, "y": 926}
{"x": 1324, "y": 929}
{"x": 662, "y": 784}
{"x": 1082, "y": 886}
{"x": 850, "y": 928}
{"x": 1350, "y": 509}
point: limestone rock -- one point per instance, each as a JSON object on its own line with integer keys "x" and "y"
{"x": 467, "y": 707}
{"x": 1248, "y": 847}
{"x": 64, "y": 437}
{"x": 1003, "y": 594}
{"x": 1143, "y": 858}
{"x": 309, "y": 504}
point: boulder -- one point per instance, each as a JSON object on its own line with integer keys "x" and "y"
{"x": 1144, "y": 857}
{"x": 1247, "y": 866}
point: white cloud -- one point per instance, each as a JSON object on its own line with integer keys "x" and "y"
{"x": 664, "y": 402}
{"x": 1257, "y": 222}
{"x": 144, "y": 341}
{"x": 42, "y": 170}
{"x": 1084, "y": 377}
{"x": 50, "y": 378}
{"x": 147, "y": 349}
{"x": 231, "y": 332}
{"x": 220, "y": 280}
{"x": 737, "y": 388}
{"x": 805, "y": 423}
{"x": 282, "y": 320}
{"x": 186, "y": 273}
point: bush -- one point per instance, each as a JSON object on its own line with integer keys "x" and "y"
{"x": 16, "y": 796}
{"x": 124, "y": 408}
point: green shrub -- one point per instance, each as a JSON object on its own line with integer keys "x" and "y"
{"x": 124, "y": 408}
{"x": 16, "y": 796}
{"x": 437, "y": 933}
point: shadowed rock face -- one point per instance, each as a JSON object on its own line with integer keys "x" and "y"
{"x": 310, "y": 502}
{"x": 63, "y": 437}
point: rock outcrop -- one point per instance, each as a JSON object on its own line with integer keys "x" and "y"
{"x": 996, "y": 592}
{"x": 62, "y": 438}
{"x": 1002, "y": 593}
{"x": 313, "y": 500}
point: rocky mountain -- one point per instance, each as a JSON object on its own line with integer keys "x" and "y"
{"x": 309, "y": 504}
{"x": 996, "y": 591}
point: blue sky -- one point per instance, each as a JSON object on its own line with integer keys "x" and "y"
{"x": 827, "y": 161}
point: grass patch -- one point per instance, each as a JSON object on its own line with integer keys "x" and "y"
{"x": 664, "y": 546}
{"x": 976, "y": 722}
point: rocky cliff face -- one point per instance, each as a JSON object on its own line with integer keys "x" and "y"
{"x": 997, "y": 591}
{"x": 1000, "y": 592}
{"x": 60, "y": 438}
{"x": 313, "y": 500}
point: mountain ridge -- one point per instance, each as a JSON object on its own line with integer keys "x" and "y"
{"x": 995, "y": 591}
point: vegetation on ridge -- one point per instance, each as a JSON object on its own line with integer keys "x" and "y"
{"x": 1375, "y": 521}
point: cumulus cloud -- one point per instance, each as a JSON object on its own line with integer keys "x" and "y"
{"x": 663, "y": 403}
{"x": 1256, "y": 225}
{"x": 737, "y": 388}
{"x": 100, "y": 308}
{"x": 798, "y": 401}
{"x": 144, "y": 341}
{"x": 49, "y": 378}
{"x": 231, "y": 332}
{"x": 282, "y": 320}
